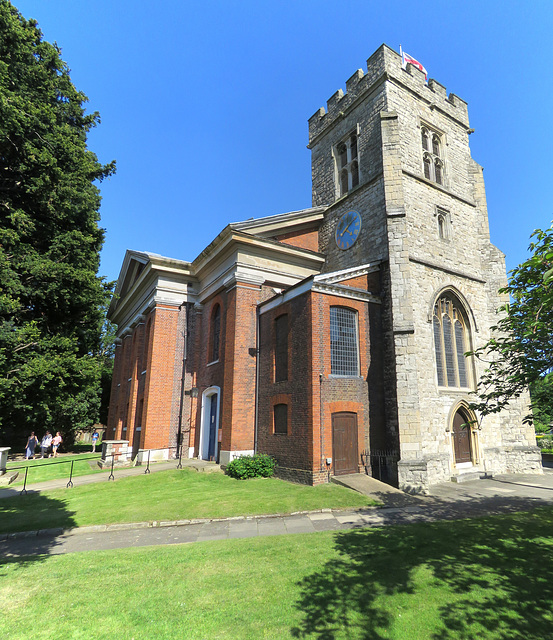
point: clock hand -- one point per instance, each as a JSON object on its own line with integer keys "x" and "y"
{"x": 346, "y": 229}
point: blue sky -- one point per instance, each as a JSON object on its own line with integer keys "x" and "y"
{"x": 204, "y": 105}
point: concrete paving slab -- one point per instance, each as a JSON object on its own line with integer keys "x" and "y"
{"x": 352, "y": 518}
{"x": 320, "y": 516}
{"x": 271, "y": 527}
{"x": 298, "y": 524}
{"x": 243, "y": 529}
{"x": 327, "y": 525}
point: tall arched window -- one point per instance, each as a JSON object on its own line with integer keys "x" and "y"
{"x": 215, "y": 333}
{"x": 451, "y": 342}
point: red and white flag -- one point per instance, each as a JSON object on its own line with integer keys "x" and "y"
{"x": 407, "y": 59}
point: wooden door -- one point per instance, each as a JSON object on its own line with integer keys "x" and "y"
{"x": 344, "y": 443}
{"x": 461, "y": 438}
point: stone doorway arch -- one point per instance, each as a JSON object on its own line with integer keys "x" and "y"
{"x": 464, "y": 436}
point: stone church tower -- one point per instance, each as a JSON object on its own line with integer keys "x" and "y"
{"x": 391, "y": 162}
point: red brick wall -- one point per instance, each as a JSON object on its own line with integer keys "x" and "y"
{"x": 160, "y": 377}
{"x": 313, "y": 393}
{"x": 303, "y": 239}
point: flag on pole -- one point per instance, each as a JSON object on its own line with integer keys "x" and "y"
{"x": 407, "y": 59}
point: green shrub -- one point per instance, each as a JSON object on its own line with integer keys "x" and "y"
{"x": 544, "y": 443}
{"x": 258, "y": 466}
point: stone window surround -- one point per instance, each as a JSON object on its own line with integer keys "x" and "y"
{"x": 430, "y": 159}
{"x": 458, "y": 314}
{"x": 443, "y": 220}
{"x": 349, "y": 165}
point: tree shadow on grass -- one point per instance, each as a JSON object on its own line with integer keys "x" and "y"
{"x": 39, "y": 522}
{"x": 482, "y": 578}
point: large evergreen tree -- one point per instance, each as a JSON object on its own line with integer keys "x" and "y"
{"x": 51, "y": 300}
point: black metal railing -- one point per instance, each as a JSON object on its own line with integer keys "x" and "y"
{"x": 97, "y": 457}
{"x": 381, "y": 464}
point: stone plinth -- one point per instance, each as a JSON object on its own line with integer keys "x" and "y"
{"x": 3, "y": 459}
{"x": 118, "y": 450}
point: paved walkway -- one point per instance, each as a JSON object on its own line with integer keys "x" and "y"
{"x": 501, "y": 494}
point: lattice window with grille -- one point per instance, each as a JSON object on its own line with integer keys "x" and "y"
{"x": 344, "y": 347}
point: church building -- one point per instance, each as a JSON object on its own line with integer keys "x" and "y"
{"x": 333, "y": 338}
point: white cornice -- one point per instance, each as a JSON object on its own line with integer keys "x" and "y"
{"x": 347, "y": 274}
{"x": 310, "y": 284}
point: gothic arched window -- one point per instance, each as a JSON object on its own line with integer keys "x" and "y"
{"x": 451, "y": 342}
{"x": 432, "y": 158}
{"x": 347, "y": 164}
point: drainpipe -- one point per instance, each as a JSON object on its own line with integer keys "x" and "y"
{"x": 183, "y": 372}
{"x": 322, "y": 465}
{"x": 256, "y": 376}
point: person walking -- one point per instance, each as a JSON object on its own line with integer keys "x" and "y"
{"x": 95, "y": 437}
{"x": 45, "y": 444}
{"x": 30, "y": 447}
{"x": 56, "y": 441}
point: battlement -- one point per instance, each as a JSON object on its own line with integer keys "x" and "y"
{"x": 383, "y": 65}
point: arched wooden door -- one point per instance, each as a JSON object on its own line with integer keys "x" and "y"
{"x": 462, "y": 437}
{"x": 344, "y": 443}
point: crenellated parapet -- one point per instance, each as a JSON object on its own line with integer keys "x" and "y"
{"x": 385, "y": 65}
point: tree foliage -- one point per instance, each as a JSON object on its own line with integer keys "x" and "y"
{"x": 520, "y": 353}
{"x": 51, "y": 300}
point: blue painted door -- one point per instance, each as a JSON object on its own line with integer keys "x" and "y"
{"x": 212, "y": 427}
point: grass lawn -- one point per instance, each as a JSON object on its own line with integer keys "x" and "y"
{"x": 485, "y": 579}
{"x": 41, "y": 470}
{"x": 168, "y": 495}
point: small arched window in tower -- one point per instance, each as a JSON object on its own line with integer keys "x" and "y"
{"x": 451, "y": 342}
{"x": 344, "y": 181}
{"x": 438, "y": 171}
{"x": 354, "y": 173}
{"x": 436, "y": 145}
{"x": 444, "y": 223}
{"x": 342, "y": 155}
{"x": 432, "y": 159}
{"x": 347, "y": 164}
{"x": 424, "y": 136}
{"x": 427, "y": 167}
{"x": 215, "y": 333}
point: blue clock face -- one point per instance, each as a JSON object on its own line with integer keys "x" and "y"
{"x": 348, "y": 229}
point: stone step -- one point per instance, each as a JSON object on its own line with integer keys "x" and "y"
{"x": 8, "y": 478}
{"x": 468, "y": 476}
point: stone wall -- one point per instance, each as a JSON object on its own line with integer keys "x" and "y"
{"x": 399, "y": 207}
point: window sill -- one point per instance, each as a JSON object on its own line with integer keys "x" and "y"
{"x": 337, "y": 376}
{"x": 463, "y": 390}
{"x": 349, "y": 193}
{"x": 212, "y": 362}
